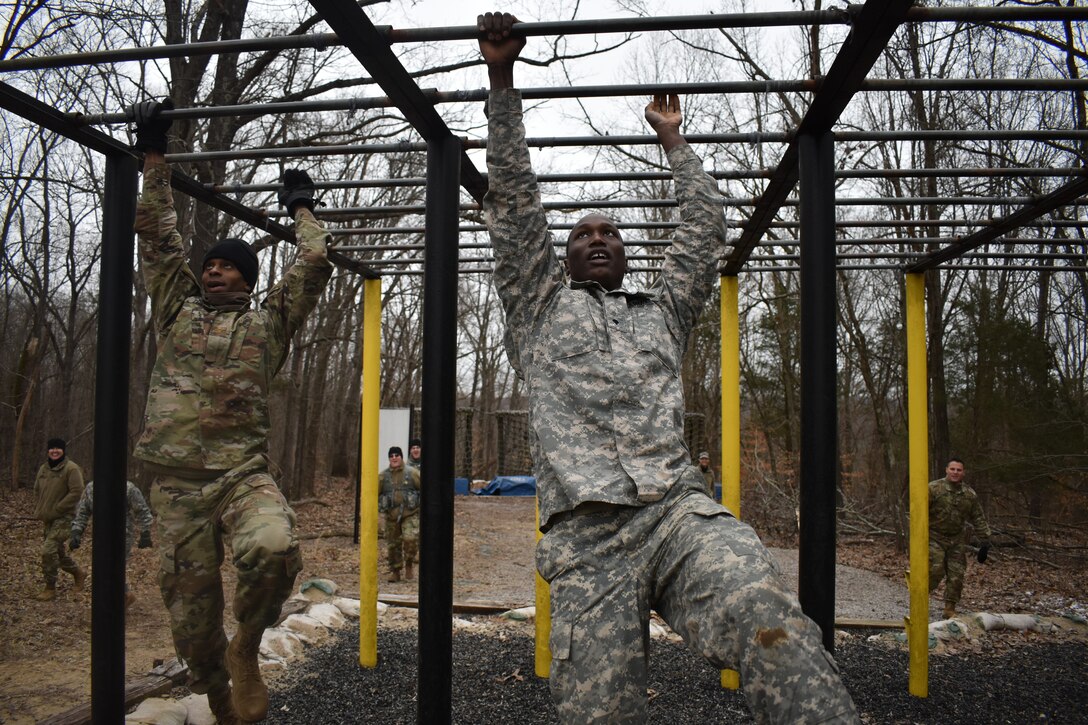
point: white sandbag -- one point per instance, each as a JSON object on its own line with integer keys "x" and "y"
{"x": 949, "y": 629}
{"x": 280, "y": 643}
{"x": 327, "y": 614}
{"x": 197, "y": 710}
{"x": 350, "y": 607}
{"x": 308, "y": 629}
{"x": 157, "y": 711}
{"x": 521, "y": 614}
{"x": 1021, "y": 622}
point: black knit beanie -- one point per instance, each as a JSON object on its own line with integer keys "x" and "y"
{"x": 237, "y": 251}
{"x": 397, "y": 450}
{"x": 56, "y": 443}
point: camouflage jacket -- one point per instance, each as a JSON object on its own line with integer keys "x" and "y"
{"x": 138, "y": 518}
{"x": 602, "y": 368}
{"x": 951, "y": 507}
{"x": 57, "y": 490}
{"x": 207, "y": 406}
{"x": 398, "y": 491}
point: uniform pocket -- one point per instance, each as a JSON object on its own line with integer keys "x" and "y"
{"x": 652, "y": 334}
{"x": 559, "y": 639}
{"x": 571, "y": 329}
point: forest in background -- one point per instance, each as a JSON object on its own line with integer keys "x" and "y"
{"x": 1007, "y": 347}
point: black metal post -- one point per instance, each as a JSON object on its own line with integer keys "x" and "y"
{"x": 439, "y": 381}
{"x": 819, "y": 417}
{"x": 111, "y": 442}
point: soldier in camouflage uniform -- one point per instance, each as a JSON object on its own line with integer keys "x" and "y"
{"x": 628, "y": 526}
{"x": 137, "y": 518}
{"x": 205, "y": 431}
{"x": 952, "y": 505}
{"x": 706, "y": 472}
{"x": 415, "y": 453}
{"x": 398, "y": 499}
{"x": 57, "y": 489}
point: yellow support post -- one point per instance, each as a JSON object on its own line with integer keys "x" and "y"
{"x": 730, "y": 362}
{"x": 917, "y": 623}
{"x": 368, "y": 473}
{"x": 543, "y": 619}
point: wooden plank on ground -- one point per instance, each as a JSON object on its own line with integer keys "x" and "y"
{"x": 849, "y": 623}
{"x": 160, "y": 680}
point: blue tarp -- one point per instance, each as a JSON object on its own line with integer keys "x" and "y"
{"x": 510, "y": 486}
{"x": 460, "y": 486}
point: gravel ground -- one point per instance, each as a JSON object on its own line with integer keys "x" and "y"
{"x": 493, "y": 682}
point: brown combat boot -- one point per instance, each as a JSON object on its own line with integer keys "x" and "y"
{"x": 393, "y": 576}
{"x": 249, "y": 694}
{"x": 129, "y": 599}
{"x": 48, "y": 594}
{"x": 408, "y": 569}
{"x": 219, "y": 701}
{"x": 949, "y": 611}
{"x": 79, "y": 576}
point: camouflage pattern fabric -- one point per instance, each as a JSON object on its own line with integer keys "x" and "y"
{"x": 606, "y": 412}
{"x": 951, "y": 508}
{"x": 244, "y": 509}
{"x": 711, "y": 579}
{"x": 602, "y": 368}
{"x": 54, "y": 556}
{"x": 207, "y": 406}
{"x": 401, "y": 520}
{"x": 57, "y": 490}
{"x": 137, "y": 518}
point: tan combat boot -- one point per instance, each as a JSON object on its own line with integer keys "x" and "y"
{"x": 129, "y": 599}
{"x": 949, "y": 611}
{"x": 219, "y": 701}
{"x": 393, "y": 576}
{"x": 408, "y": 569}
{"x": 48, "y": 594}
{"x": 249, "y": 693}
{"x": 79, "y": 577}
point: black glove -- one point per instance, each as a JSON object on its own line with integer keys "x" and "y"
{"x": 983, "y": 552}
{"x": 150, "y": 128}
{"x": 75, "y": 540}
{"x": 145, "y": 539}
{"x": 297, "y": 190}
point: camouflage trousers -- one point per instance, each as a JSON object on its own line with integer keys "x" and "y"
{"x": 948, "y": 561}
{"x": 244, "y": 509}
{"x": 711, "y": 579}
{"x": 54, "y": 556}
{"x": 401, "y": 539}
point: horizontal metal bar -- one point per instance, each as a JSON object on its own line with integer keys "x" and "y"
{"x": 643, "y": 140}
{"x": 323, "y": 41}
{"x": 667, "y": 176}
{"x": 609, "y": 91}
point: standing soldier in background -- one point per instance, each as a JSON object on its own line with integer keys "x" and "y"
{"x": 707, "y": 471}
{"x": 205, "y": 432}
{"x": 952, "y": 505}
{"x": 415, "y": 453}
{"x": 398, "y": 499}
{"x": 138, "y": 518}
{"x": 57, "y": 489}
{"x": 627, "y": 525}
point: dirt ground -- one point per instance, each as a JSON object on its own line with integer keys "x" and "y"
{"x": 45, "y": 647}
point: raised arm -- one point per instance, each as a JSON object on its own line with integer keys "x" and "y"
{"x": 297, "y": 293}
{"x": 526, "y": 268}
{"x": 164, "y": 256}
{"x": 687, "y": 273}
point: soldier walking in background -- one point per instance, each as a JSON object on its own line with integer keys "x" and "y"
{"x": 57, "y": 489}
{"x": 627, "y": 525}
{"x": 398, "y": 499}
{"x": 952, "y": 505}
{"x": 205, "y": 431}
{"x": 137, "y": 518}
